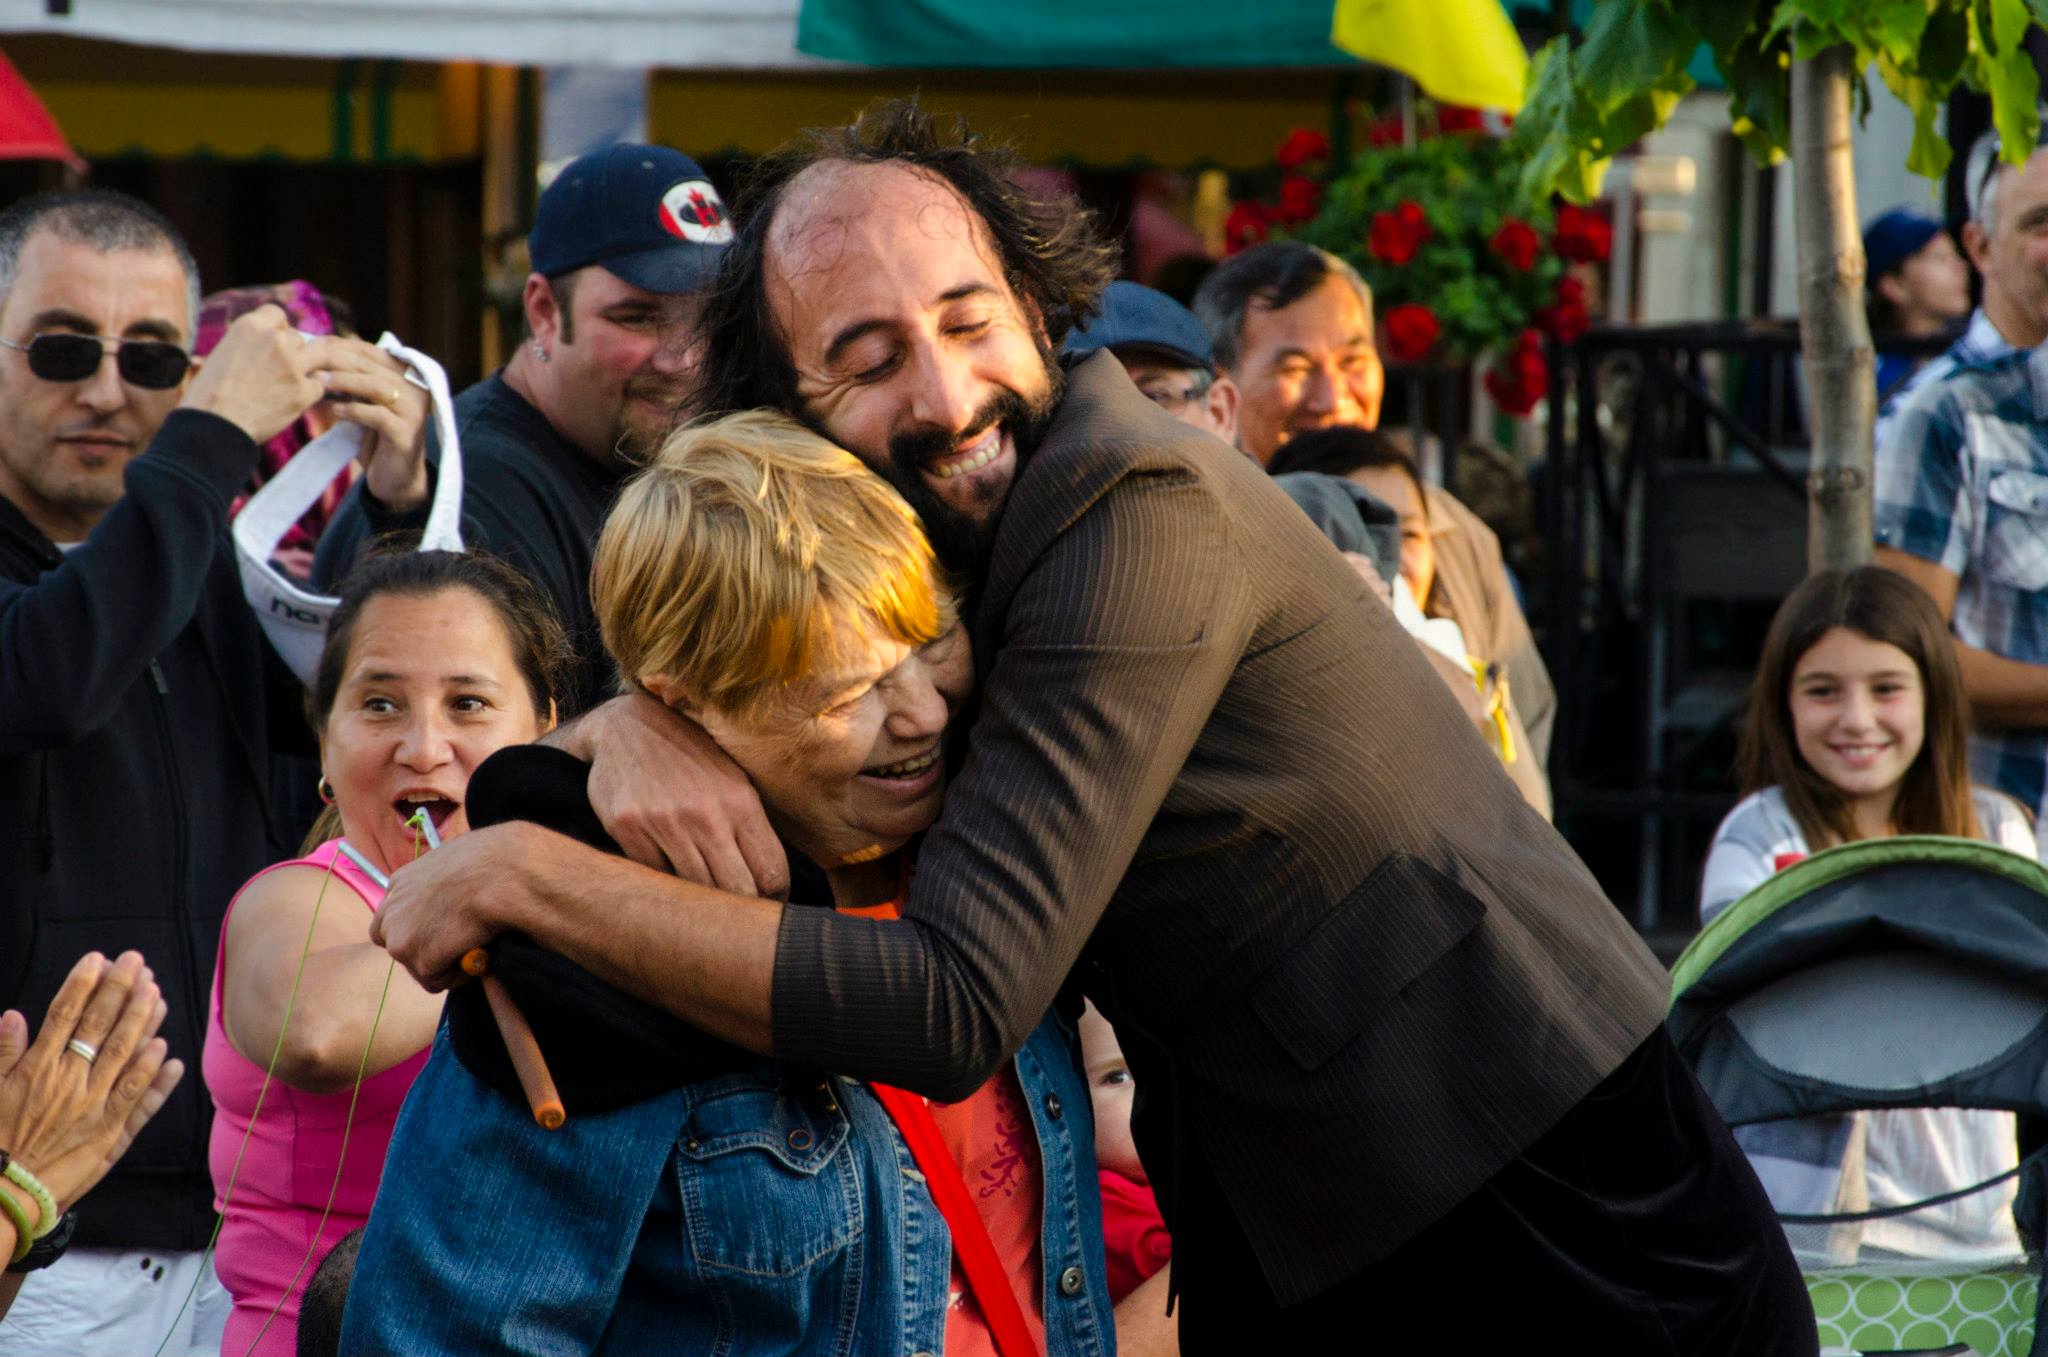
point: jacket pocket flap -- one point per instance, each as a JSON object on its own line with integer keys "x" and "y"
{"x": 1386, "y": 932}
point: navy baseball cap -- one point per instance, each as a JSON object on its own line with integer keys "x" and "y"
{"x": 1138, "y": 317}
{"x": 1894, "y": 237}
{"x": 646, "y": 213}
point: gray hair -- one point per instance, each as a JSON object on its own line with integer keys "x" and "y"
{"x": 1982, "y": 171}
{"x": 1276, "y": 274}
{"x": 104, "y": 220}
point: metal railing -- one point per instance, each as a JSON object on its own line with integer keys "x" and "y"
{"x": 1672, "y": 509}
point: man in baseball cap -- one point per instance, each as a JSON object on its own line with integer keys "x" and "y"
{"x": 1918, "y": 282}
{"x": 623, "y": 241}
{"x": 1166, "y": 352}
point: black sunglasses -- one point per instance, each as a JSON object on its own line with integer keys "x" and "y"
{"x": 152, "y": 364}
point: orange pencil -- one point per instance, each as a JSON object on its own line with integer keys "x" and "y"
{"x": 520, "y": 1044}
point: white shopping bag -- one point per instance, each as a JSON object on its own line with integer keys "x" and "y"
{"x": 293, "y": 617}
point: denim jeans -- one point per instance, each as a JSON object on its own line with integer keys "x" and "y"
{"x": 763, "y": 1212}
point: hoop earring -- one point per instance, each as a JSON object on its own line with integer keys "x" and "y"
{"x": 326, "y": 790}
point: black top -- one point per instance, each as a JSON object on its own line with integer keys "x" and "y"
{"x": 134, "y": 760}
{"x": 529, "y": 496}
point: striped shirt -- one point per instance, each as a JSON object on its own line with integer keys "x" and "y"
{"x": 1962, "y": 482}
{"x": 1760, "y": 836}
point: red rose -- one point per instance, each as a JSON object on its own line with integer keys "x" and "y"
{"x": 1398, "y": 234}
{"x": 1566, "y": 318}
{"x": 1583, "y": 237}
{"x": 1411, "y": 328}
{"x": 1521, "y": 379}
{"x": 1388, "y": 242}
{"x": 1385, "y": 131}
{"x": 1302, "y": 145}
{"x": 1299, "y": 198}
{"x": 1456, "y": 118}
{"x": 1247, "y": 224}
{"x": 1516, "y": 242}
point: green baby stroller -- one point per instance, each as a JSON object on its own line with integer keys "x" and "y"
{"x": 1870, "y": 1021}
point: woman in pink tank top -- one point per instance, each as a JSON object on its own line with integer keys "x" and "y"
{"x": 434, "y": 660}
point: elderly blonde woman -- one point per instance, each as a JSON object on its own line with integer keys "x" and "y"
{"x": 701, "y": 1199}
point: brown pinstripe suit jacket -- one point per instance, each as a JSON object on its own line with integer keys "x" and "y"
{"x": 1356, "y": 974}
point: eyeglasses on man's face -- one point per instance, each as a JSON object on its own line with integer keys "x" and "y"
{"x": 1174, "y": 396}
{"x": 152, "y": 364}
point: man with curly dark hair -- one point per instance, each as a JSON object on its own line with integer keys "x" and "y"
{"x": 1380, "y": 1018}
{"x": 1045, "y": 255}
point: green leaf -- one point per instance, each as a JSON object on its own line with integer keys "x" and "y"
{"x": 1552, "y": 124}
{"x": 1894, "y": 27}
{"x": 1944, "y": 47}
{"x": 2008, "y": 25}
{"x": 1630, "y": 46}
{"x": 1929, "y": 154}
{"x": 1759, "y": 97}
{"x": 1794, "y": 14}
{"x": 2015, "y": 88}
{"x": 1722, "y": 23}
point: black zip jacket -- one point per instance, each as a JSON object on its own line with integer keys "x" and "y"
{"x": 136, "y": 704}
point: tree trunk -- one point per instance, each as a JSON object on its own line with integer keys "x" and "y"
{"x": 1841, "y": 369}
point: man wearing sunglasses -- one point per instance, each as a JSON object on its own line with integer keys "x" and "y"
{"x": 137, "y": 696}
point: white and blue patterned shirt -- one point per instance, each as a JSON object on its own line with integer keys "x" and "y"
{"x": 1979, "y": 343}
{"x": 1962, "y": 482}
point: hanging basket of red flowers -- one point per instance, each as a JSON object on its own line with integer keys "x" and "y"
{"x": 1463, "y": 265}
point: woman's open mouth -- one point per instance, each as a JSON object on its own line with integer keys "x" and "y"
{"x": 437, "y": 807}
{"x": 907, "y": 774}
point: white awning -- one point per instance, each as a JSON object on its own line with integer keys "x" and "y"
{"x": 756, "y": 34}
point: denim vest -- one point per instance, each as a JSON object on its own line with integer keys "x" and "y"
{"x": 762, "y": 1212}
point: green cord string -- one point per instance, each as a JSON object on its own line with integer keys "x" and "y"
{"x": 291, "y": 1002}
{"x": 348, "y": 1125}
{"x": 341, "y": 1159}
{"x": 263, "y": 1090}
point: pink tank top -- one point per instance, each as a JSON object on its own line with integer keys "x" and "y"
{"x": 289, "y": 1166}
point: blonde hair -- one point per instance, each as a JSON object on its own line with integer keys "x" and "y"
{"x": 742, "y": 557}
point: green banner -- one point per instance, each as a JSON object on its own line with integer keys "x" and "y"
{"x": 1069, "y": 34}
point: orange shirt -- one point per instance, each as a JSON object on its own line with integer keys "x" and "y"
{"x": 992, "y": 1140}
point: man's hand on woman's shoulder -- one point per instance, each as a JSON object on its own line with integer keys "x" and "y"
{"x": 672, "y": 800}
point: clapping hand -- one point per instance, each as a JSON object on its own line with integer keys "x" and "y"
{"x": 66, "y": 1116}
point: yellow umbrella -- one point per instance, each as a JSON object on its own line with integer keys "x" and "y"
{"x": 1458, "y": 51}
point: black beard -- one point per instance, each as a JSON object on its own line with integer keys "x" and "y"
{"x": 964, "y": 541}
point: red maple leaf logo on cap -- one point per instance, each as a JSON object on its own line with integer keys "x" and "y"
{"x": 693, "y": 211}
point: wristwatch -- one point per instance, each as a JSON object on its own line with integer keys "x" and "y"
{"x": 50, "y": 1247}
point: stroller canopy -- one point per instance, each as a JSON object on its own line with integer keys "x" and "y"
{"x": 1904, "y": 972}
